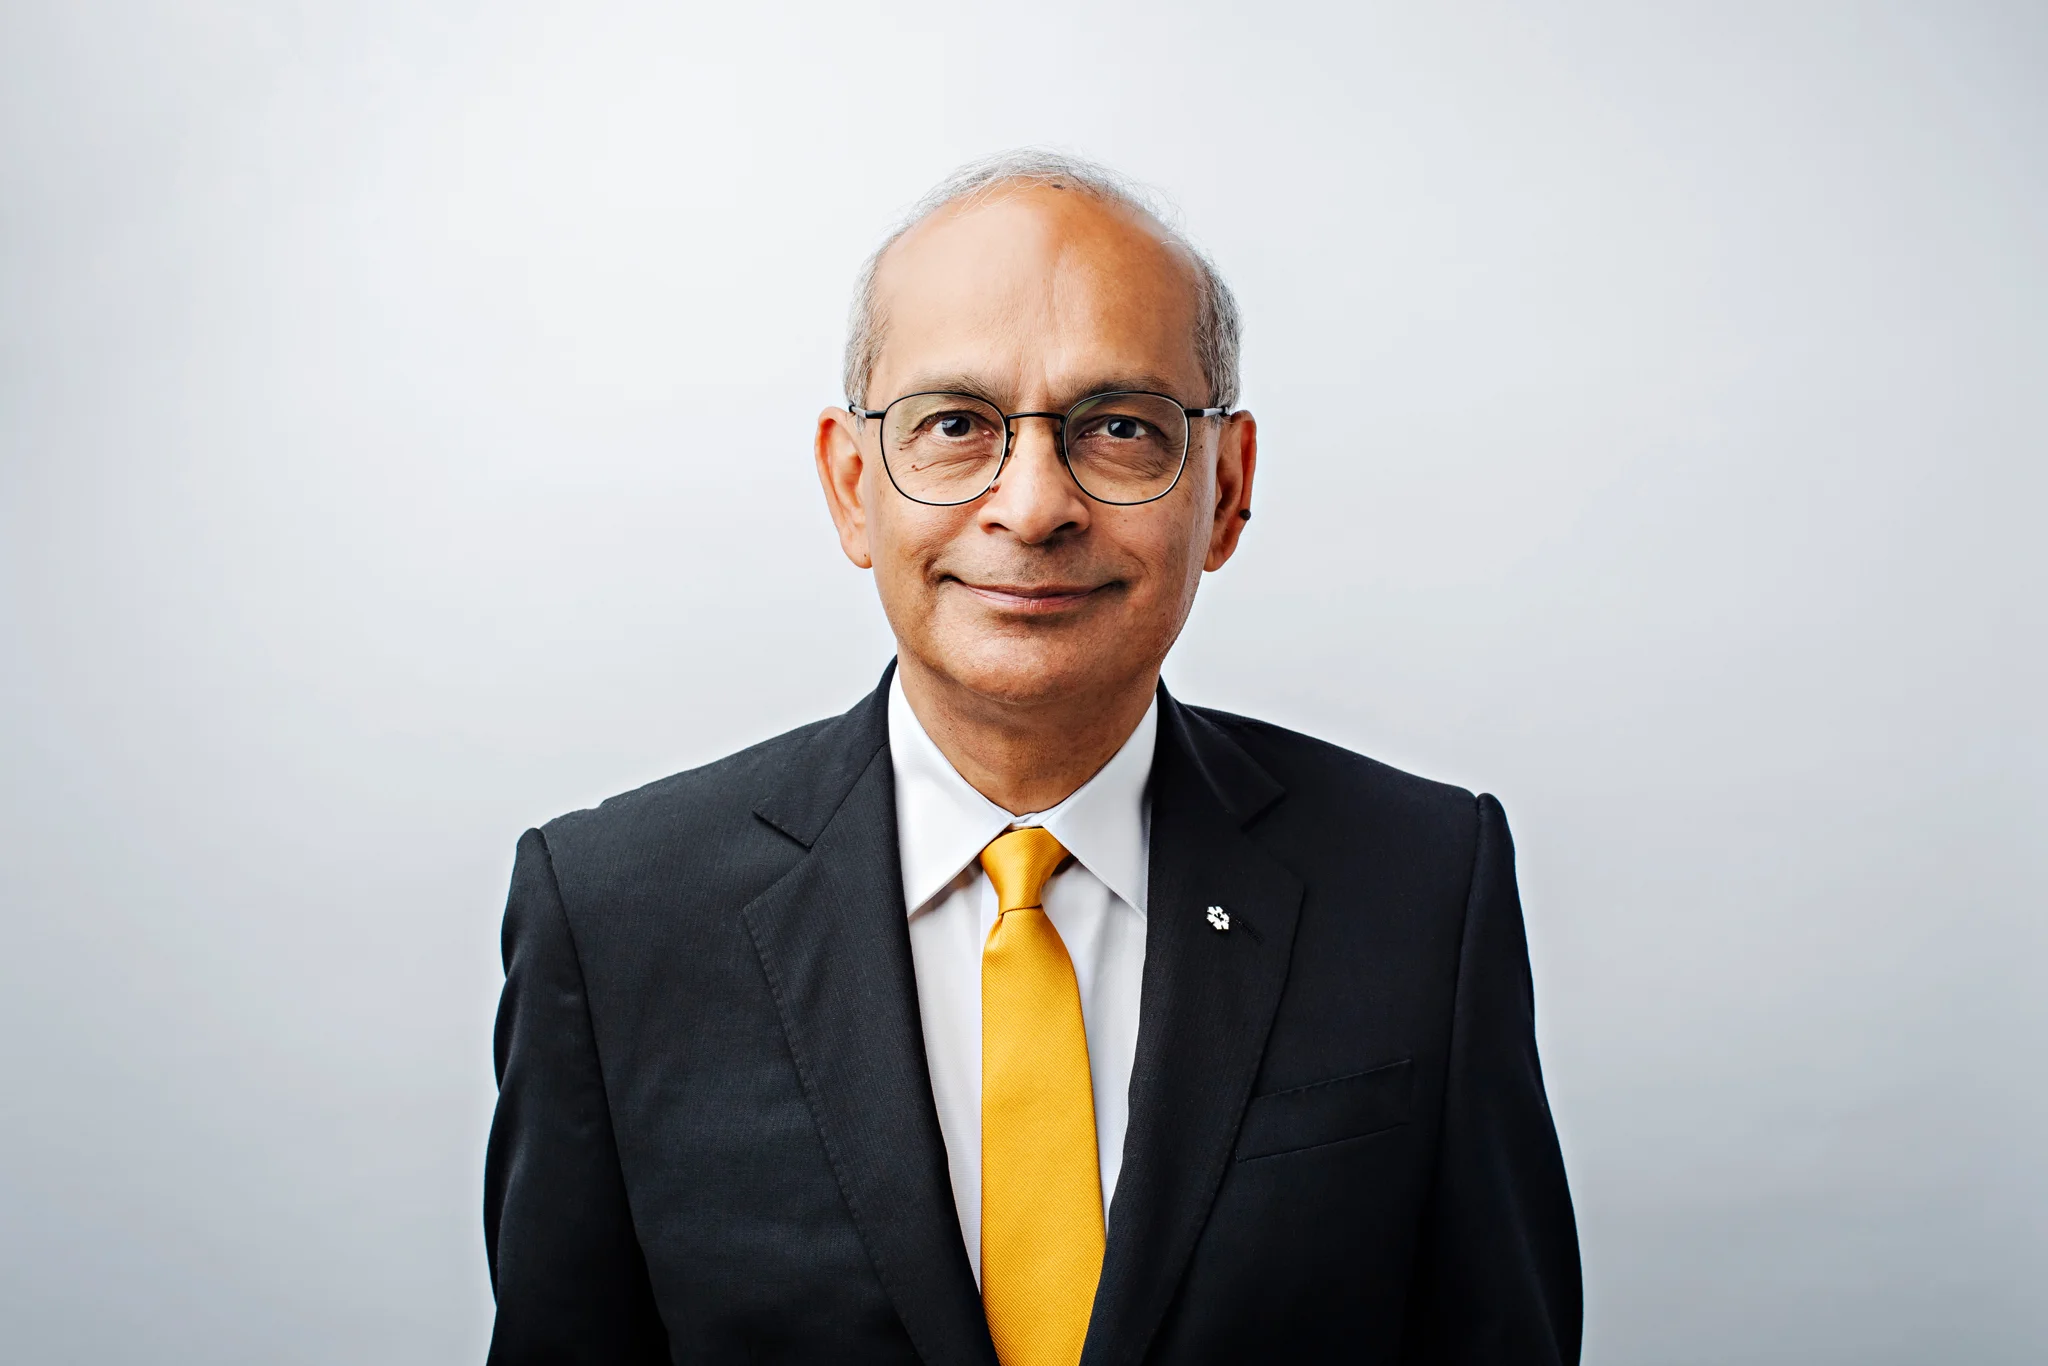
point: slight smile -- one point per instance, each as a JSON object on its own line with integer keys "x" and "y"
{"x": 1034, "y": 599}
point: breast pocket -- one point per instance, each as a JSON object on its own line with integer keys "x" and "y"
{"x": 1326, "y": 1111}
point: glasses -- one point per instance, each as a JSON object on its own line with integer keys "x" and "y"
{"x": 946, "y": 449}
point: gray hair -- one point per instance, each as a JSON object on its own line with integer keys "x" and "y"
{"x": 1217, "y": 326}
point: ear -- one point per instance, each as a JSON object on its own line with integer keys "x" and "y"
{"x": 1237, "y": 459}
{"x": 840, "y": 466}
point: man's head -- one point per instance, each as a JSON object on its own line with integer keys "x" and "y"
{"x": 1033, "y": 283}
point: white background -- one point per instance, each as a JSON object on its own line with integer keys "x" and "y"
{"x": 404, "y": 419}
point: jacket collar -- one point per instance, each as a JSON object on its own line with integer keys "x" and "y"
{"x": 809, "y": 790}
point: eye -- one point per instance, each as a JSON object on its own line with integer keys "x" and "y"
{"x": 955, "y": 426}
{"x": 1123, "y": 428}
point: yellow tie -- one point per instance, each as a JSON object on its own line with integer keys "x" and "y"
{"x": 1041, "y": 1187}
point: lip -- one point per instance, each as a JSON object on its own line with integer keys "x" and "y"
{"x": 1039, "y": 599}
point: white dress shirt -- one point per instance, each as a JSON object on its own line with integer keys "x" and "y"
{"x": 1096, "y": 902}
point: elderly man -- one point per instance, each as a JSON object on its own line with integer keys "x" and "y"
{"x": 1025, "y": 1014}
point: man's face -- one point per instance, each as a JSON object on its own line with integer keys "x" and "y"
{"x": 1035, "y": 593}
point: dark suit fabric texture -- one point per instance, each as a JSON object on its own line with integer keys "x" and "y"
{"x": 716, "y": 1142}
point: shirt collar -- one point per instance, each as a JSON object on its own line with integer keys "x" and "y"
{"x": 943, "y": 824}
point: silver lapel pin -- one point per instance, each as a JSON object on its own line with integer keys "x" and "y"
{"x": 1219, "y": 919}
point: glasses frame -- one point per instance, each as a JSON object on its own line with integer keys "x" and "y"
{"x": 1059, "y": 441}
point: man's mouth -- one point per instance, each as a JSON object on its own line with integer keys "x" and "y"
{"x": 1035, "y": 599}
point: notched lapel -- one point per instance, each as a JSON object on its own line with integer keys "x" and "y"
{"x": 832, "y": 940}
{"x": 1208, "y": 1001}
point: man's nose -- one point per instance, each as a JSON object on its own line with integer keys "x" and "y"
{"x": 1035, "y": 497}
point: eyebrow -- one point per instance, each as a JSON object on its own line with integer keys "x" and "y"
{"x": 962, "y": 383}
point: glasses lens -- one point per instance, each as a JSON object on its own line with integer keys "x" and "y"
{"x": 1126, "y": 448}
{"x": 942, "y": 448}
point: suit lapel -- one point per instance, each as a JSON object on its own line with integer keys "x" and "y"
{"x": 1207, "y": 1003}
{"x": 834, "y": 945}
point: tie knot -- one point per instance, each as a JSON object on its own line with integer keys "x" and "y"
{"x": 1018, "y": 862}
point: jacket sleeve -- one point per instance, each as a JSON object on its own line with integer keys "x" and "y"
{"x": 1497, "y": 1280}
{"x": 566, "y": 1267}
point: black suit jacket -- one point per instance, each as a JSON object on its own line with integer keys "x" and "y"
{"x": 715, "y": 1138}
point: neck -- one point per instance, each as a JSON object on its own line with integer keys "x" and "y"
{"x": 1025, "y": 757}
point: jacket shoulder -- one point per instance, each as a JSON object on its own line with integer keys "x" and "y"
{"x": 1364, "y": 831}
{"x": 704, "y": 801}
{"x": 1316, "y": 772}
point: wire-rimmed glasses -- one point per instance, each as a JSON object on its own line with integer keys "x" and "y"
{"x": 945, "y": 449}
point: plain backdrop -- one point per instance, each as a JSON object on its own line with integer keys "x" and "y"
{"x": 404, "y": 438}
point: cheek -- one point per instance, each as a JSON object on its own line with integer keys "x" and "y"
{"x": 908, "y": 538}
{"x": 1196, "y": 523}
{"x": 1171, "y": 547}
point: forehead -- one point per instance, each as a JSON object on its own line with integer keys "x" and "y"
{"x": 1038, "y": 290}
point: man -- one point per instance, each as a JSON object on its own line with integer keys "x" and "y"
{"x": 1025, "y": 1014}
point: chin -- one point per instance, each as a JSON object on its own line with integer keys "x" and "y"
{"x": 1025, "y": 674}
